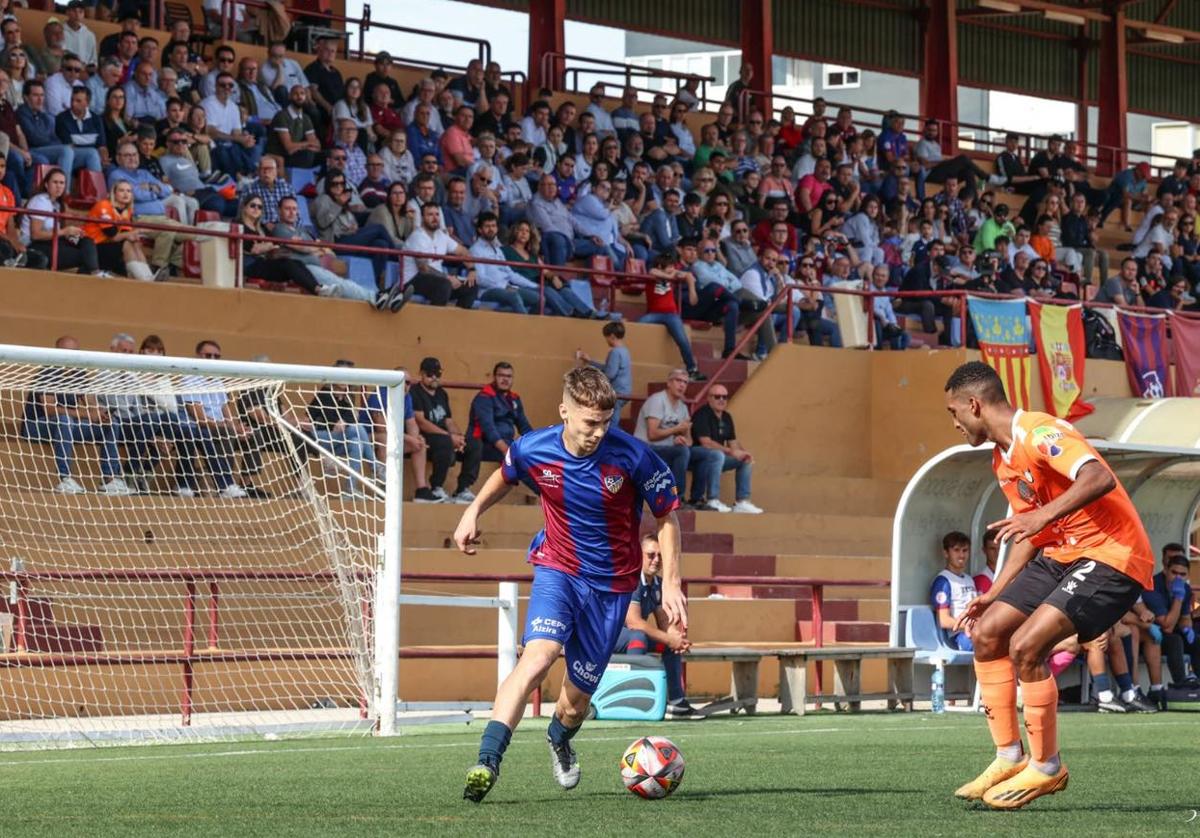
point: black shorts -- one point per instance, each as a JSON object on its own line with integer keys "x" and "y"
{"x": 1094, "y": 596}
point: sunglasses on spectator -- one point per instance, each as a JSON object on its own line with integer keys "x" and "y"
{"x": 337, "y": 157}
{"x": 255, "y": 205}
{"x": 225, "y": 60}
{"x": 808, "y": 264}
{"x": 720, "y": 397}
{"x": 709, "y": 250}
{"x": 225, "y": 86}
{"x": 756, "y": 122}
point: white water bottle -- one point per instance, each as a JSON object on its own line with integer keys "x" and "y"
{"x": 937, "y": 690}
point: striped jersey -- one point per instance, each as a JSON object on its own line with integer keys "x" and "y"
{"x": 593, "y": 504}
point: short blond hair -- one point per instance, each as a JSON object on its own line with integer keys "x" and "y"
{"x": 588, "y": 387}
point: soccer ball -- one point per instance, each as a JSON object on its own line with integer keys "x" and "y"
{"x": 652, "y": 767}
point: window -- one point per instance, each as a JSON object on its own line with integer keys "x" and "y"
{"x": 716, "y": 69}
{"x": 841, "y": 78}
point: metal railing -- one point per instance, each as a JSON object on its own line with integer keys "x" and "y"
{"x": 364, "y": 23}
{"x": 554, "y": 73}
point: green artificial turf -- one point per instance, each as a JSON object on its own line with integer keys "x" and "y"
{"x": 824, "y": 774}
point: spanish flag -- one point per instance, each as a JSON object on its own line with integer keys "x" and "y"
{"x": 1058, "y": 332}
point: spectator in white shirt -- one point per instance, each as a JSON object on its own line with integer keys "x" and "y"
{"x": 60, "y": 85}
{"x": 427, "y": 275}
{"x": 77, "y": 38}
{"x": 535, "y": 125}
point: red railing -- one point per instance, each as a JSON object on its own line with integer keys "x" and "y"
{"x": 188, "y": 656}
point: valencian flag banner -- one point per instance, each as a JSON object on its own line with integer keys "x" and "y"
{"x": 1058, "y": 331}
{"x": 1004, "y": 343}
{"x": 1144, "y": 340}
{"x": 1185, "y": 342}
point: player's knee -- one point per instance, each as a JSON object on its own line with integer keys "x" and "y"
{"x": 573, "y": 712}
{"x": 1026, "y": 652}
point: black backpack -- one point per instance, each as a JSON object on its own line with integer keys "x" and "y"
{"x": 1100, "y": 338}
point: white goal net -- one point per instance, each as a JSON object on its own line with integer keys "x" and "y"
{"x": 195, "y": 548}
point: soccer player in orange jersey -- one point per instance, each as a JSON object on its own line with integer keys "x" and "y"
{"x": 1095, "y": 562}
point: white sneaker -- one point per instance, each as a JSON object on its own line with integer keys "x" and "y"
{"x": 117, "y": 486}
{"x": 233, "y": 491}
{"x": 326, "y": 290}
{"x": 441, "y": 493}
{"x": 185, "y": 492}
{"x": 746, "y": 507}
{"x": 715, "y": 506}
{"x": 70, "y": 486}
{"x": 463, "y": 498}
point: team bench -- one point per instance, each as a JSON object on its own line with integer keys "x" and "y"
{"x": 793, "y": 676}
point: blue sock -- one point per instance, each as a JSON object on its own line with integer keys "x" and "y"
{"x": 495, "y": 740}
{"x": 1127, "y": 643}
{"x": 558, "y": 732}
{"x": 1124, "y": 682}
{"x": 1101, "y": 682}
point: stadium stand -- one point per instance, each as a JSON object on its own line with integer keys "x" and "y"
{"x": 835, "y": 434}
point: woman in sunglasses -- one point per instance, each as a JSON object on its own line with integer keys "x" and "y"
{"x": 262, "y": 260}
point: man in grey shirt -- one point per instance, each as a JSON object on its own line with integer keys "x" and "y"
{"x": 1124, "y": 288}
{"x": 666, "y": 424}
{"x": 181, "y": 173}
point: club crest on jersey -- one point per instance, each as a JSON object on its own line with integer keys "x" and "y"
{"x": 613, "y": 482}
{"x": 1044, "y": 439}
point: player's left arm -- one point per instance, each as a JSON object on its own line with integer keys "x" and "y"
{"x": 1092, "y": 482}
{"x": 674, "y": 602}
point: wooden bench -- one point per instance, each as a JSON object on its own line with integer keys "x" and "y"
{"x": 847, "y": 678}
{"x": 743, "y": 682}
{"x": 793, "y": 676}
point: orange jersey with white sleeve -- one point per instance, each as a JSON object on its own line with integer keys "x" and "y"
{"x": 1042, "y": 463}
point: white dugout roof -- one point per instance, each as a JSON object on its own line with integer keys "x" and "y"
{"x": 1153, "y": 446}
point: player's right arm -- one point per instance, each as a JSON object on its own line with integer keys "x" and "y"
{"x": 1020, "y": 553}
{"x": 467, "y": 533}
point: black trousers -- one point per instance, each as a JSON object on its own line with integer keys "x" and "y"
{"x": 282, "y": 270}
{"x": 443, "y": 455}
{"x": 929, "y": 310}
{"x": 436, "y": 288}
{"x": 1175, "y": 646}
{"x": 81, "y": 255}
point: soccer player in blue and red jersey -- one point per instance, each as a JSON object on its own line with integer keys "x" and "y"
{"x": 593, "y": 480}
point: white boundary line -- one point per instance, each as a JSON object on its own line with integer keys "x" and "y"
{"x": 372, "y": 744}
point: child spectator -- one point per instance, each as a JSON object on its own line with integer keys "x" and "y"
{"x": 617, "y": 365}
{"x": 952, "y": 588}
{"x": 991, "y": 551}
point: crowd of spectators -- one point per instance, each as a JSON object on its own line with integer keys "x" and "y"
{"x": 721, "y": 215}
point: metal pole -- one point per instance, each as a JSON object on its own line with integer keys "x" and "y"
{"x": 506, "y": 635}
{"x": 387, "y": 614}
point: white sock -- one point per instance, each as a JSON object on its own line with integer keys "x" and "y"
{"x": 1129, "y": 695}
{"x": 139, "y": 270}
{"x": 1012, "y": 752}
{"x": 1105, "y": 695}
{"x": 1050, "y": 767}
{"x": 1154, "y": 687}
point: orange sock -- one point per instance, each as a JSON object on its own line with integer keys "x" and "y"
{"x": 1041, "y": 717}
{"x": 998, "y": 688}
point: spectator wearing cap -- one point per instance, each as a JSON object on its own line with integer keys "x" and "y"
{"x": 77, "y": 38}
{"x": 292, "y": 137}
{"x": 181, "y": 172}
{"x": 1171, "y": 600}
{"x": 431, "y": 409}
{"x": 382, "y": 75}
{"x": 998, "y": 224}
{"x": 717, "y": 450}
{"x": 497, "y": 415}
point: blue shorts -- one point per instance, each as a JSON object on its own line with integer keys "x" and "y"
{"x": 584, "y": 620}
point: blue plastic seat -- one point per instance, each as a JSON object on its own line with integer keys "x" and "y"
{"x": 922, "y": 633}
{"x": 361, "y": 272}
{"x": 300, "y": 178}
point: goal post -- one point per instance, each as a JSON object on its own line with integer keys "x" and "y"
{"x": 192, "y": 548}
